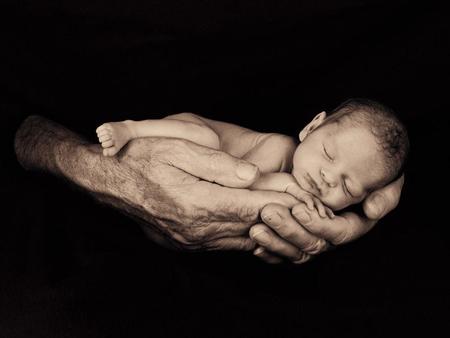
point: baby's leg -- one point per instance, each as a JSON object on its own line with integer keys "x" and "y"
{"x": 114, "y": 135}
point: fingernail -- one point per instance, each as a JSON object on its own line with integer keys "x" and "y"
{"x": 259, "y": 250}
{"x": 301, "y": 260}
{"x": 302, "y": 216}
{"x": 270, "y": 217}
{"x": 261, "y": 237}
{"x": 246, "y": 171}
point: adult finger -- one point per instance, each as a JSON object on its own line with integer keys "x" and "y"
{"x": 229, "y": 204}
{"x": 341, "y": 229}
{"x": 231, "y": 243}
{"x": 216, "y": 230}
{"x": 265, "y": 237}
{"x": 266, "y": 256}
{"x": 209, "y": 164}
{"x": 384, "y": 200}
{"x": 280, "y": 219}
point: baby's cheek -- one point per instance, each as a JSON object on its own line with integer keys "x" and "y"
{"x": 337, "y": 201}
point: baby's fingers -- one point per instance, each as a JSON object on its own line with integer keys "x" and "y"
{"x": 309, "y": 201}
{"x": 320, "y": 207}
{"x": 301, "y": 195}
{"x": 329, "y": 212}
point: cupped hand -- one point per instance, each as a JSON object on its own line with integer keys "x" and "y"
{"x": 299, "y": 234}
{"x": 188, "y": 193}
{"x": 187, "y": 196}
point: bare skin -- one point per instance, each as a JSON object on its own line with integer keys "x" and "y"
{"x": 169, "y": 186}
{"x": 150, "y": 182}
{"x": 275, "y": 155}
{"x": 247, "y": 144}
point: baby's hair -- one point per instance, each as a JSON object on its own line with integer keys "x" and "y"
{"x": 382, "y": 121}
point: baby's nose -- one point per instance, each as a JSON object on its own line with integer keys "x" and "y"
{"x": 328, "y": 178}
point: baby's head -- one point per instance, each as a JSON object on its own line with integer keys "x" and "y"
{"x": 360, "y": 147}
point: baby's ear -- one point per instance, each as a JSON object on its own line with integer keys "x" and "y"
{"x": 315, "y": 122}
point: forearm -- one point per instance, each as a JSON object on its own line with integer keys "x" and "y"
{"x": 40, "y": 144}
{"x": 44, "y": 145}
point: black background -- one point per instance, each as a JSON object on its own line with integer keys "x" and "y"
{"x": 70, "y": 267}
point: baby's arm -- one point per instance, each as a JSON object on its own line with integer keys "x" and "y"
{"x": 285, "y": 182}
{"x": 114, "y": 135}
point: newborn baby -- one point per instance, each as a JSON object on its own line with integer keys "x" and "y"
{"x": 360, "y": 147}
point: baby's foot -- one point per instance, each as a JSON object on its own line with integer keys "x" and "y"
{"x": 113, "y": 136}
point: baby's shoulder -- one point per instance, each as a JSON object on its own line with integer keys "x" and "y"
{"x": 283, "y": 147}
{"x": 281, "y": 142}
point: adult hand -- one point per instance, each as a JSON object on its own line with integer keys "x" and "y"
{"x": 299, "y": 235}
{"x": 176, "y": 188}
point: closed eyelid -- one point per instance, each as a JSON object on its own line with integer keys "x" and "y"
{"x": 326, "y": 152}
{"x": 346, "y": 190}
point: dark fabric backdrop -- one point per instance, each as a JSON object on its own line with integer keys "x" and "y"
{"x": 70, "y": 267}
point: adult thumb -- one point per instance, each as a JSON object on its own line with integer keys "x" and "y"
{"x": 212, "y": 165}
{"x": 382, "y": 201}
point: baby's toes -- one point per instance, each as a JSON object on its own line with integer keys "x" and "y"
{"x": 108, "y": 143}
{"x": 104, "y": 137}
{"x": 104, "y": 128}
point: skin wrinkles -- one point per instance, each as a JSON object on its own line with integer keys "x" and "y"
{"x": 167, "y": 205}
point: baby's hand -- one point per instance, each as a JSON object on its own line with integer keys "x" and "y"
{"x": 311, "y": 201}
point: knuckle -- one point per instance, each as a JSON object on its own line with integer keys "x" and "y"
{"x": 302, "y": 258}
{"x": 288, "y": 233}
{"x": 315, "y": 247}
{"x": 179, "y": 236}
{"x": 248, "y": 214}
{"x": 300, "y": 213}
{"x": 298, "y": 208}
{"x": 215, "y": 161}
{"x": 190, "y": 239}
{"x": 245, "y": 245}
{"x": 341, "y": 238}
{"x": 270, "y": 208}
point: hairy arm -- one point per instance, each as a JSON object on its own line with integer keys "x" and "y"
{"x": 163, "y": 183}
{"x": 44, "y": 145}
